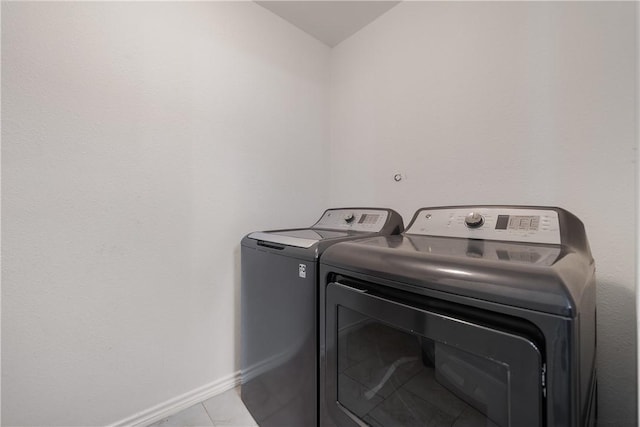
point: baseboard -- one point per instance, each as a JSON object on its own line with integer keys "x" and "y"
{"x": 178, "y": 403}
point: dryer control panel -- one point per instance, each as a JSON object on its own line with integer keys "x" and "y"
{"x": 514, "y": 224}
{"x": 366, "y": 220}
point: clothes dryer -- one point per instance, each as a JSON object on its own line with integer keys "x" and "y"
{"x": 279, "y": 297}
{"x": 475, "y": 316}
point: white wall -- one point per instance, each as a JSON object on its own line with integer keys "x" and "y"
{"x": 507, "y": 102}
{"x": 140, "y": 142}
{"x": 637, "y": 263}
{"x": 137, "y": 136}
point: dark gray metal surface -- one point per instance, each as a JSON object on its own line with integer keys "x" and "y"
{"x": 278, "y": 338}
{"x": 552, "y": 287}
{"x": 279, "y": 323}
{"x": 546, "y": 278}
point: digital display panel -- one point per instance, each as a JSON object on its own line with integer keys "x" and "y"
{"x": 369, "y": 219}
{"x": 502, "y": 222}
{"x": 518, "y": 222}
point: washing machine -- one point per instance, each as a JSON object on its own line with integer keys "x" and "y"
{"x": 474, "y": 316}
{"x": 279, "y": 315}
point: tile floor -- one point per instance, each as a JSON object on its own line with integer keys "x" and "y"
{"x": 226, "y": 409}
{"x": 385, "y": 376}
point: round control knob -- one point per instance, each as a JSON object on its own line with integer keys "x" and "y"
{"x": 474, "y": 220}
{"x": 349, "y": 218}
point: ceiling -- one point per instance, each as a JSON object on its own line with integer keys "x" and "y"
{"x": 329, "y": 21}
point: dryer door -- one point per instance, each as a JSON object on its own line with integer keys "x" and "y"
{"x": 392, "y": 364}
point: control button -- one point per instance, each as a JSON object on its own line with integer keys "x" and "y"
{"x": 349, "y": 218}
{"x": 474, "y": 220}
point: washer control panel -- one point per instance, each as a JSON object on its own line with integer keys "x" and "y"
{"x": 369, "y": 220}
{"x": 491, "y": 223}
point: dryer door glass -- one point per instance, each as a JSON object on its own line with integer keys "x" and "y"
{"x": 390, "y": 377}
{"x": 390, "y": 364}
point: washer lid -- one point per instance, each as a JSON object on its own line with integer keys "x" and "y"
{"x": 302, "y": 238}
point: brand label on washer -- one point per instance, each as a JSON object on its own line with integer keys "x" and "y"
{"x": 302, "y": 270}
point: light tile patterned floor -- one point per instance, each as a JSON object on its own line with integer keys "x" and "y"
{"x": 225, "y": 410}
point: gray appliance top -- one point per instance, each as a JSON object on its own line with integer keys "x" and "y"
{"x": 300, "y": 238}
{"x": 548, "y": 276}
{"x": 334, "y": 223}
